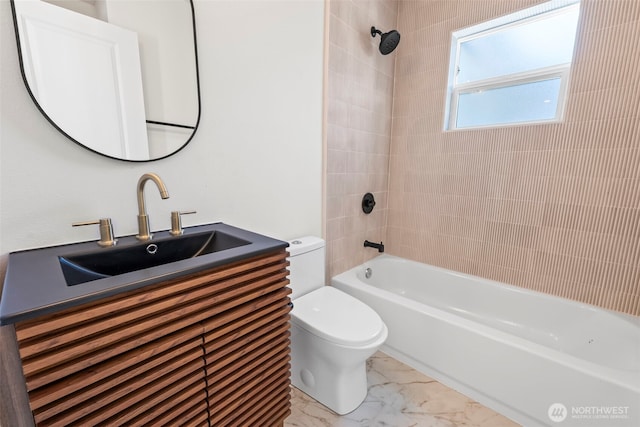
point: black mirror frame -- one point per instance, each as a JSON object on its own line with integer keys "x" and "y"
{"x": 35, "y": 101}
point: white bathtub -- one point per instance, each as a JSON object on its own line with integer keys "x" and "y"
{"x": 533, "y": 357}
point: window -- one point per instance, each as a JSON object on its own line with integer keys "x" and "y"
{"x": 513, "y": 69}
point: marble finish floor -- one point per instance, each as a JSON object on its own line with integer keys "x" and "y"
{"x": 399, "y": 396}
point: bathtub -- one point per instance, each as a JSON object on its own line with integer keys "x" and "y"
{"x": 535, "y": 358}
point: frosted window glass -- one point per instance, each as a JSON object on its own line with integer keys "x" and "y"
{"x": 528, "y": 102}
{"x": 536, "y": 44}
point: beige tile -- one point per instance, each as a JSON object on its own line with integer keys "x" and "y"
{"x": 579, "y": 180}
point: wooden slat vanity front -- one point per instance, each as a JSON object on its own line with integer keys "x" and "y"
{"x": 209, "y": 349}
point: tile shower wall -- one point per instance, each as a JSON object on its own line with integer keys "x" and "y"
{"x": 553, "y": 208}
{"x": 359, "y": 102}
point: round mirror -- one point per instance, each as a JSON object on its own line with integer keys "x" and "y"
{"x": 119, "y": 77}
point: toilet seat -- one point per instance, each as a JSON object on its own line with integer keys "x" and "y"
{"x": 337, "y": 317}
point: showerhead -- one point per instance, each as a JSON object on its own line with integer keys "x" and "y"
{"x": 389, "y": 40}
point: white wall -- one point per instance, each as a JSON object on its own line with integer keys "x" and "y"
{"x": 255, "y": 162}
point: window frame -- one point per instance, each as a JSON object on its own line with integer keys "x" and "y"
{"x": 561, "y": 71}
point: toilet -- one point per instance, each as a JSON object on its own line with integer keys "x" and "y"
{"x": 332, "y": 333}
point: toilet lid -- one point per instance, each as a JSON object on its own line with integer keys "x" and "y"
{"x": 337, "y": 317}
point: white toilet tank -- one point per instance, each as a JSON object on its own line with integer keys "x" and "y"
{"x": 306, "y": 265}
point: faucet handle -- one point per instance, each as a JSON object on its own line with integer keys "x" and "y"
{"x": 106, "y": 231}
{"x": 176, "y": 222}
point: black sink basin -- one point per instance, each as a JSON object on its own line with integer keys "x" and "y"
{"x": 87, "y": 266}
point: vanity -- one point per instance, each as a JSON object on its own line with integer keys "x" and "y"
{"x": 187, "y": 327}
{"x": 202, "y": 340}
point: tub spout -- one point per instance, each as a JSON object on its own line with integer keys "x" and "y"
{"x": 378, "y": 246}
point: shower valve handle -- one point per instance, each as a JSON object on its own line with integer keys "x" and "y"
{"x": 368, "y": 202}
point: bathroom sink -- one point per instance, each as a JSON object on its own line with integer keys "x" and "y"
{"x": 47, "y": 280}
{"x": 87, "y": 266}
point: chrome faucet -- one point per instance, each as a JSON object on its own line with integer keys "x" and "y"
{"x": 143, "y": 218}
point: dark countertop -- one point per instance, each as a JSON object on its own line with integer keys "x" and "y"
{"x": 34, "y": 284}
